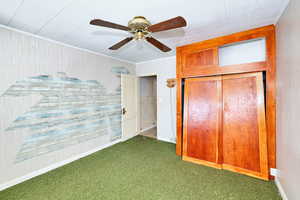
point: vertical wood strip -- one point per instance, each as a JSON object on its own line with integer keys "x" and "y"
{"x": 263, "y": 147}
{"x": 220, "y": 134}
{"x": 179, "y": 130}
{"x": 271, "y": 98}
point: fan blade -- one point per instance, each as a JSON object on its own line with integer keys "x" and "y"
{"x": 176, "y": 22}
{"x": 158, "y": 44}
{"x": 120, "y": 44}
{"x": 99, "y": 22}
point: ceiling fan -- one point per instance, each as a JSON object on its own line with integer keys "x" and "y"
{"x": 141, "y": 28}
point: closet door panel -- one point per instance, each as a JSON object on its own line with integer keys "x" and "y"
{"x": 202, "y": 118}
{"x": 244, "y": 134}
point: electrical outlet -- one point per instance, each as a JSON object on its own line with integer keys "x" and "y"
{"x": 274, "y": 172}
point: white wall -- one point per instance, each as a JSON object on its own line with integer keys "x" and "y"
{"x": 148, "y": 99}
{"x": 288, "y": 100}
{"x": 166, "y": 98}
{"x": 24, "y": 56}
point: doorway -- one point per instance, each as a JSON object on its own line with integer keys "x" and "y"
{"x": 148, "y": 106}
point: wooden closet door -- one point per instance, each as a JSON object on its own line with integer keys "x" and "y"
{"x": 202, "y": 106}
{"x": 244, "y": 128}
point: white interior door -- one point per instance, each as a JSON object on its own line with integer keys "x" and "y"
{"x": 129, "y": 98}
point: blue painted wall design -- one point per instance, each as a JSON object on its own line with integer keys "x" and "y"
{"x": 70, "y": 111}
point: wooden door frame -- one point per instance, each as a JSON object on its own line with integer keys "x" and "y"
{"x": 269, "y": 66}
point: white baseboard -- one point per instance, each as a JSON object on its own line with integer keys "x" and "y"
{"x": 166, "y": 140}
{"x": 127, "y": 138}
{"x": 280, "y": 188}
{"x": 146, "y": 129}
{"x": 52, "y": 167}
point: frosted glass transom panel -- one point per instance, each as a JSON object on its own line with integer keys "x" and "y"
{"x": 243, "y": 52}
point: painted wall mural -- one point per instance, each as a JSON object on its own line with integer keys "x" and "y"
{"x": 70, "y": 111}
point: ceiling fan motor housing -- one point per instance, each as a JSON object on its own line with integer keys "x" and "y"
{"x": 139, "y": 26}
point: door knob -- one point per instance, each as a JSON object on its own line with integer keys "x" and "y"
{"x": 123, "y": 111}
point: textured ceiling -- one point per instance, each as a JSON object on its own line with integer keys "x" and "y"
{"x": 67, "y": 21}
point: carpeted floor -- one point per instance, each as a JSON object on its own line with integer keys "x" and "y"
{"x": 138, "y": 169}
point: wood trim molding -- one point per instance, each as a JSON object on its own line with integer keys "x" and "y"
{"x": 262, "y": 128}
{"x": 228, "y": 39}
{"x": 271, "y": 98}
{"x": 213, "y": 70}
{"x": 244, "y": 171}
{"x": 185, "y": 121}
{"x": 179, "y": 129}
{"x": 202, "y": 162}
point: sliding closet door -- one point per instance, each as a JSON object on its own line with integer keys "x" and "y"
{"x": 244, "y": 128}
{"x": 202, "y": 106}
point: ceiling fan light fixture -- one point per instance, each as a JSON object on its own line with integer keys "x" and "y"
{"x": 139, "y": 35}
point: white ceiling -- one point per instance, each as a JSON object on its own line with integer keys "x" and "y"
{"x": 67, "y": 21}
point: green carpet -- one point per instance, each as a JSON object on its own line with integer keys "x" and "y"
{"x": 139, "y": 169}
